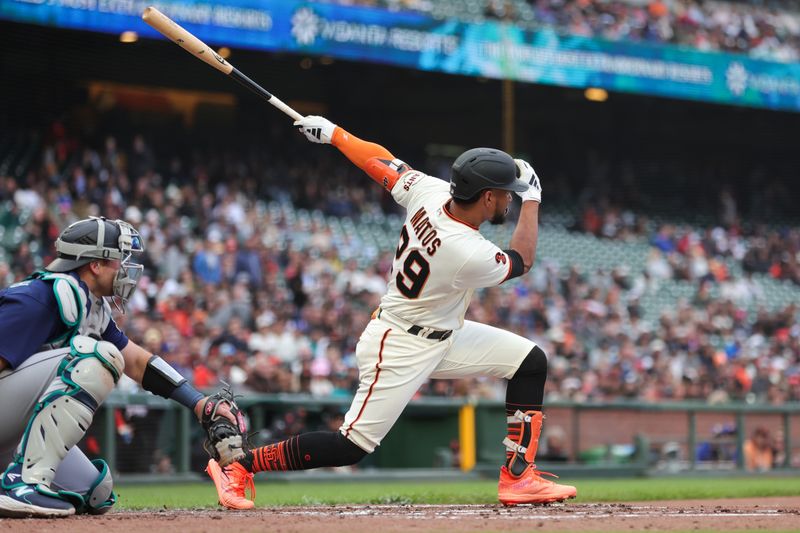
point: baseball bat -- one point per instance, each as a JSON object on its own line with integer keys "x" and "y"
{"x": 172, "y": 31}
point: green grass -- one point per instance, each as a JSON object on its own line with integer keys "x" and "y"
{"x": 301, "y": 493}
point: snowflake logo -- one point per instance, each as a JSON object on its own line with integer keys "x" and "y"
{"x": 305, "y": 26}
{"x": 736, "y": 78}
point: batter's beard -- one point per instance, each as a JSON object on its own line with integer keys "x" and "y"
{"x": 499, "y": 218}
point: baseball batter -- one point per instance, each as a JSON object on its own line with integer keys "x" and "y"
{"x": 61, "y": 353}
{"x": 419, "y": 330}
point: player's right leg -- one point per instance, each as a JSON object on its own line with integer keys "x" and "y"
{"x": 479, "y": 349}
{"x": 392, "y": 366}
{"x": 83, "y": 379}
{"x": 22, "y": 388}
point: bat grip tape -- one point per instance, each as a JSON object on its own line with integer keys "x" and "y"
{"x": 244, "y": 81}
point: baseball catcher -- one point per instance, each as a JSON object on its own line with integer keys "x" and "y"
{"x": 61, "y": 354}
{"x": 419, "y": 330}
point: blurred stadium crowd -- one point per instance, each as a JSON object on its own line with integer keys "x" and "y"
{"x": 761, "y": 29}
{"x": 262, "y": 271}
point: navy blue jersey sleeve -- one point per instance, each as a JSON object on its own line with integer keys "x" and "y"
{"x": 26, "y": 324}
{"x": 115, "y": 336}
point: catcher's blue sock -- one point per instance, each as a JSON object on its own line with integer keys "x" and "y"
{"x": 525, "y": 391}
{"x": 309, "y": 450}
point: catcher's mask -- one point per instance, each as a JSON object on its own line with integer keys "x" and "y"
{"x": 96, "y": 238}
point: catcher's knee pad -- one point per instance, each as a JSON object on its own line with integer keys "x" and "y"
{"x": 83, "y": 381}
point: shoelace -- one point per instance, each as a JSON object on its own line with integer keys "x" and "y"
{"x": 250, "y": 484}
{"x": 541, "y": 473}
{"x": 241, "y": 482}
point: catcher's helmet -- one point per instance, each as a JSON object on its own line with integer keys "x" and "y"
{"x": 95, "y": 238}
{"x": 484, "y": 168}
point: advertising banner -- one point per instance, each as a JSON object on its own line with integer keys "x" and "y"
{"x": 413, "y": 40}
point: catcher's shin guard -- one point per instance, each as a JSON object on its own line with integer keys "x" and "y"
{"x": 84, "y": 379}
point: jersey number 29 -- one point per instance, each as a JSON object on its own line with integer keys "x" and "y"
{"x": 416, "y": 269}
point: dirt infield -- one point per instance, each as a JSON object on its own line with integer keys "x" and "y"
{"x": 769, "y": 514}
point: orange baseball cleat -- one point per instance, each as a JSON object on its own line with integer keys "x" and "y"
{"x": 531, "y": 487}
{"x": 232, "y": 482}
{"x": 520, "y": 481}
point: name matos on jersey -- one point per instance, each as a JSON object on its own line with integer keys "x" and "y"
{"x": 427, "y": 235}
{"x": 440, "y": 259}
{"x": 412, "y": 277}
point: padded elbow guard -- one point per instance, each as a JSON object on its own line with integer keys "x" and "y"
{"x": 83, "y": 381}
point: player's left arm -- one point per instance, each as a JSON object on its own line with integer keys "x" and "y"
{"x": 152, "y": 372}
{"x": 488, "y": 265}
{"x": 157, "y": 376}
{"x": 526, "y": 234}
{"x": 525, "y": 237}
{"x": 219, "y": 415}
{"x": 372, "y": 158}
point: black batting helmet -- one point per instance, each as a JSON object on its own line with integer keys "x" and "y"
{"x": 484, "y": 168}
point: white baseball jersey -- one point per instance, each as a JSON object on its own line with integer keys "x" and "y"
{"x": 440, "y": 259}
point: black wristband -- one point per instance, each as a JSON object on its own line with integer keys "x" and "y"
{"x": 187, "y": 395}
{"x": 161, "y": 379}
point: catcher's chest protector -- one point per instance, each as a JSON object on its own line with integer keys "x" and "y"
{"x": 72, "y": 300}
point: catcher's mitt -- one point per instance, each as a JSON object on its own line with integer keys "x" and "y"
{"x": 226, "y": 442}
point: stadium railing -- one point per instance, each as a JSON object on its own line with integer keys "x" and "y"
{"x": 633, "y": 438}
